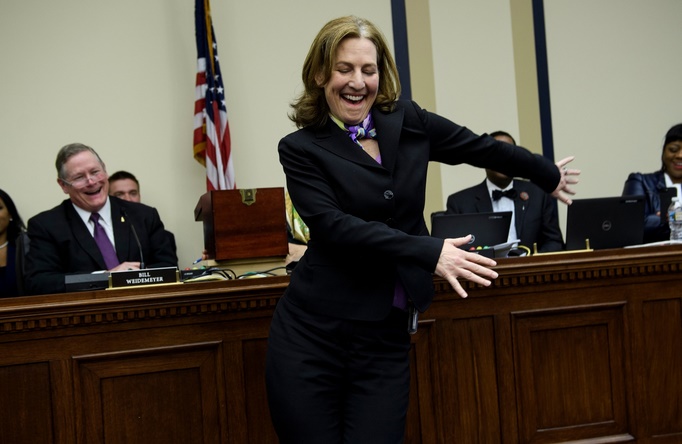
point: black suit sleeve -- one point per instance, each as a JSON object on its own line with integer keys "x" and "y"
{"x": 551, "y": 238}
{"x": 45, "y": 263}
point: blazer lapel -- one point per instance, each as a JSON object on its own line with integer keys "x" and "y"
{"x": 333, "y": 139}
{"x": 121, "y": 226}
{"x": 82, "y": 235}
{"x": 388, "y": 126}
{"x": 660, "y": 181}
{"x": 521, "y": 207}
{"x": 483, "y": 202}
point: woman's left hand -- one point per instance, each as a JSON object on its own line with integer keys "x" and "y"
{"x": 564, "y": 190}
{"x": 455, "y": 263}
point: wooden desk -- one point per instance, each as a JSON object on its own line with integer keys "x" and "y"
{"x": 569, "y": 347}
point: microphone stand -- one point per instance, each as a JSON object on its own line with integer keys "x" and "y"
{"x": 137, "y": 239}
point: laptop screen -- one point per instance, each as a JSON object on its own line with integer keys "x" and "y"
{"x": 487, "y": 229}
{"x": 607, "y": 222}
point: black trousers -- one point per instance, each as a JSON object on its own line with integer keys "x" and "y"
{"x": 334, "y": 381}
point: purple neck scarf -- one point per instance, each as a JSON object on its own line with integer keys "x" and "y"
{"x": 364, "y": 129}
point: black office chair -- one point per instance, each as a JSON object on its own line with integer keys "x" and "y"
{"x": 22, "y": 246}
{"x": 438, "y": 213}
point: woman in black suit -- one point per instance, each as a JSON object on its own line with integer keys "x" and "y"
{"x": 337, "y": 364}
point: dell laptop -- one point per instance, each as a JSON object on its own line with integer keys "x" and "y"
{"x": 486, "y": 229}
{"x": 605, "y": 222}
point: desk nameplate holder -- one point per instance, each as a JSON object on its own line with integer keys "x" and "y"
{"x": 138, "y": 278}
{"x": 537, "y": 253}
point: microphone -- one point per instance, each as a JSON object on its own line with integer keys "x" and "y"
{"x": 137, "y": 239}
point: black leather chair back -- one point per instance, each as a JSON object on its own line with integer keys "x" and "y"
{"x": 22, "y": 245}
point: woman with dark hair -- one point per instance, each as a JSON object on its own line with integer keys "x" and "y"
{"x": 651, "y": 185}
{"x": 11, "y": 226}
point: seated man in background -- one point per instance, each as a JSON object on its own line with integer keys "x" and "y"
{"x": 91, "y": 231}
{"x": 125, "y": 185}
{"x": 535, "y": 218}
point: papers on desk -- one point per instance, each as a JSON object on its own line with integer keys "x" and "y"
{"x": 656, "y": 244}
{"x": 207, "y": 277}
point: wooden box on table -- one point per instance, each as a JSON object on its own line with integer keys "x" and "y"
{"x": 243, "y": 223}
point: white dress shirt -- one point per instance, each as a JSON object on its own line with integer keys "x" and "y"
{"x": 503, "y": 204}
{"x": 104, "y": 220}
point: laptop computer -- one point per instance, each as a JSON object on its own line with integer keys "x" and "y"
{"x": 608, "y": 222}
{"x": 86, "y": 281}
{"x": 487, "y": 229}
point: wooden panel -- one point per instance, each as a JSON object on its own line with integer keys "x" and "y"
{"x": 662, "y": 341}
{"x": 421, "y": 423}
{"x": 570, "y": 374}
{"x": 164, "y": 395}
{"x": 260, "y": 429}
{"x": 26, "y": 407}
{"x": 468, "y": 374}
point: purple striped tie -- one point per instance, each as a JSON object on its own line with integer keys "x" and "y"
{"x": 104, "y": 244}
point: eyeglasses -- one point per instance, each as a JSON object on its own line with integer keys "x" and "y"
{"x": 83, "y": 180}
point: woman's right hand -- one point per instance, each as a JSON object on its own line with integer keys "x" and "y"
{"x": 455, "y": 263}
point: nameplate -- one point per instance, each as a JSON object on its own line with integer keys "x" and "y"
{"x": 148, "y": 276}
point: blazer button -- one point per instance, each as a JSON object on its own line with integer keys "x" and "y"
{"x": 388, "y": 194}
{"x": 390, "y": 222}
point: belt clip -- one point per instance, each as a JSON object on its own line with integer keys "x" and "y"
{"x": 412, "y": 318}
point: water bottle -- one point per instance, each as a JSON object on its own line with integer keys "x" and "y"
{"x": 675, "y": 219}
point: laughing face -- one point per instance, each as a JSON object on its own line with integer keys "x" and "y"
{"x": 354, "y": 82}
{"x": 86, "y": 181}
{"x": 672, "y": 160}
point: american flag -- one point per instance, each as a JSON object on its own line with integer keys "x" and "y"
{"x": 211, "y": 130}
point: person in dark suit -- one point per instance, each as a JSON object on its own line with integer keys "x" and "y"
{"x": 125, "y": 185}
{"x": 63, "y": 239}
{"x": 337, "y": 367}
{"x": 535, "y": 219}
{"x": 651, "y": 185}
{"x": 11, "y": 226}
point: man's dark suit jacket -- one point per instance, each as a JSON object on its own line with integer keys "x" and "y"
{"x": 536, "y": 218}
{"x": 366, "y": 220}
{"x": 61, "y": 243}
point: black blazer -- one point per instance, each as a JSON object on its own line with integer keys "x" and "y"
{"x": 650, "y": 185}
{"x": 61, "y": 243}
{"x": 536, "y": 217}
{"x": 8, "y": 274}
{"x": 366, "y": 220}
